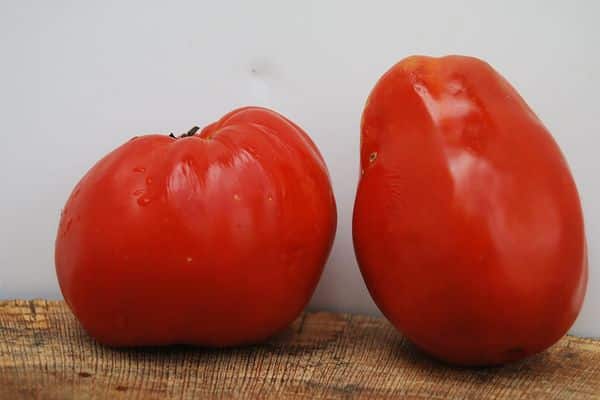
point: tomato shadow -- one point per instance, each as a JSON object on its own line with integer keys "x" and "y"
{"x": 407, "y": 355}
{"x": 283, "y": 343}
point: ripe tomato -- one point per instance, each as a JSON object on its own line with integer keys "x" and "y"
{"x": 213, "y": 239}
{"x": 467, "y": 224}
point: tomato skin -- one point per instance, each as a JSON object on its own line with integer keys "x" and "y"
{"x": 217, "y": 239}
{"x": 467, "y": 224}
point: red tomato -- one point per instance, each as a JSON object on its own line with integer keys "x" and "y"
{"x": 467, "y": 224}
{"x": 213, "y": 239}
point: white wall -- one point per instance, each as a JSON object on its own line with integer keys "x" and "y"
{"x": 79, "y": 78}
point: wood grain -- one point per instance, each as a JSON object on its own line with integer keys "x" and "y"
{"x": 45, "y": 354}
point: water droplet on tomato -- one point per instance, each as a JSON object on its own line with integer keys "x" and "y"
{"x": 144, "y": 201}
{"x": 455, "y": 87}
{"x": 236, "y": 197}
{"x": 420, "y": 88}
{"x": 149, "y": 181}
{"x": 137, "y": 192}
{"x": 139, "y": 169}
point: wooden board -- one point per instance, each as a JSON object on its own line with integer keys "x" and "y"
{"x": 45, "y": 354}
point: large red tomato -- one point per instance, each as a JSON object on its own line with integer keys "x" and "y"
{"x": 212, "y": 239}
{"x": 467, "y": 224}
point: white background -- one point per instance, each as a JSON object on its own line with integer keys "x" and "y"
{"x": 79, "y": 78}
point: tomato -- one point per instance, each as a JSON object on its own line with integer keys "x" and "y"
{"x": 216, "y": 238}
{"x": 467, "y": 224}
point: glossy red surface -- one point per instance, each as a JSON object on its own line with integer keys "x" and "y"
{"x": 215, "y": 239}
{"x": 468, "y": 227}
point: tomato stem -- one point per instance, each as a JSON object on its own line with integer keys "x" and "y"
{"x": 191, "y": 132}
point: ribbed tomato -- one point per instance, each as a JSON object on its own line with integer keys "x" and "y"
{"x": 467, "y": 224}
{"x": 213, "y": 239}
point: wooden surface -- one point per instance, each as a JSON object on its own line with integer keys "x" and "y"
{"x": 45, "y": 354}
